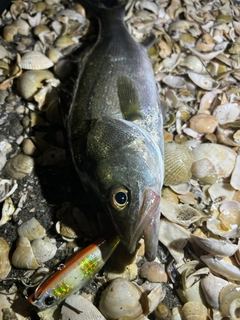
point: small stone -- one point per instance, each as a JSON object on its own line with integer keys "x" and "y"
{"x": 203, "y": 123}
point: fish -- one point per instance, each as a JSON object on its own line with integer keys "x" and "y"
{"x": 115, "y": 129}
{"x": 74, "y": 274}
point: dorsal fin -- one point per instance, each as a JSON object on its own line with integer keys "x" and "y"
{"x": 128, "y": 99}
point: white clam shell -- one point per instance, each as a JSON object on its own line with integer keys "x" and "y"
{"x": 227, "y": 112}
{"x": 220, "y": 160}
{"x": 229, "y": 213}
{"x": 221, "y": 267}
{"x": 35, "y": 60}
{"x": 211, "y": 286}
{"x": 182, "y": 214}
{"x": 23, "y": 256}
{"x": 32, "y": 230}
{"x": 5, "y": 265}
{"x": 85, "y": 310}
{"x": 219, "y": 248}
{"x": 19, "y": 166}
{"x": 43, "y": 250}
{"x": 174, "y": 81}
{"x": 229, "y": 300}
{"x": 202, "y": 81}
{"x": 174, "y": 237}
{"x": 218, "y": 190}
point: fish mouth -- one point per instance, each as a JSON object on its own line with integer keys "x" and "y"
{"x": 148, "y": 225}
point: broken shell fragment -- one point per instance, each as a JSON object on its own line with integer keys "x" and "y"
{"x": 202, "y": 81}
{"x": 229, "y": 300}
{"x": 7, "y": 187}
{"x": 235, "y": 178}
{"x": 32, "y": 230}
{"x": 19, "y": 166}
{"x": 7, "y": 211}
{"x": 35, "y": 60}
{"x": 178, "y": 162}
{"x": 229, "y": 213}
{"x": 23, "y": 257}
{"x": 219, "y": 229}
{"x": 5, "y": 265}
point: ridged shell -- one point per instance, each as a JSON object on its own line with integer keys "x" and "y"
{"x": 23, "y": 256}
{"x": 5, "y": 266}
{"x": 229, "y": 300}
{"x": 85, "y": 310}
{"x": 35, "y": 60}
{"x": 194, "y": 310}
{"x": 43, "y": 250}
{"x": 178, "y": 162}
{"x": 19, "y": 166}
{"x": 32, "y": 230}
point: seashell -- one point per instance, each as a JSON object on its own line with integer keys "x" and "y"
{"x": 121, "y": 298}
{"x": 31, "y": 229}
{"x": 207, "y": 100}
{"x": 153, "y": 271}
{"x": 31, "y": 81}
{"x": 64, "y": 41}
{"x": 211, "y": 286}
{"x": 229, "y": 300}
{"x": 193, "y": 63}
{"x": 210, "y": 158}
{"x": 219, "y": 248}
{"x": 176, "y": 313}
{"x": 19, "y": 166}
{"x": 156, "y": 295}
{"x": 43, "y": 250}
{"x": 229, "y": 213}
{"x": 23, "y": 257}
{"x": 202, "y": 81}
{"x": 5, "y": 266}
{"x": 54, "y": 55}
{"x": 174, "y": 237}
{"x": 7, "y": 211}
{"x": 9, "y": 31}
{"x": 181, "y": 214}
{"x": 181, "y": 188}
{"x": 3, "y": 160}
{"x": 221, "y": 190}
{"x": 235, "y": 178}
{"x": 217, "y": 228}
{"x": 129, "y": 273}
{"x": 7, "y": 187}
{"x": 162, "y": 312}
{"x": 225, "y": 269}
{"x": 174, "y": 81}
{"x": 8, "y": 314}
{"x": 77, "y": 307}
{"x": 178, "y": 162}
{"x": 194, "y": 310}
{"x": 35, "y": 60}
{"x": 203, "y": 123}
{"x": 227, "y": 112}
{"x": 206, "y": 56}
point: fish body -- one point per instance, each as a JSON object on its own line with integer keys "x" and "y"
{"x": 74, "y": 274}
{"x": 115, "y": 130}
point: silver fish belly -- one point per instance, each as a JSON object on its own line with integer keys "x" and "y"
{"x": 115, "y": 129}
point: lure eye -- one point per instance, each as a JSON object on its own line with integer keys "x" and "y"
{"x": 119, "y": 197}
{"x": 49, "y": 300}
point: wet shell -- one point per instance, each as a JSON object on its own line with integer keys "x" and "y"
{"x": 78, "y": 308}
{"x": 194, "y": 310}
{"x": 178, "y": 162}
{"x": 229, "y": 300}
{"x": 43, "y": 250}
{"x": 210, "y": 158}
{"x": 5, "y": 266}
{"x": 121, "y": 298}
{"x": 32, "y": 230}
{"x": 19, "y": 166}
{"x": 23, "y": 257}
{"x": 35, "y": 60}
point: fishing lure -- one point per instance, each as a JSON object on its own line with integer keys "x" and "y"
{"x": 74, "y": 274}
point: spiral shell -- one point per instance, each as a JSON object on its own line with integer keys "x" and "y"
{"x": 5, "y": 265}
{"x": 19, "y": 166}
{"x": 43, "y": 250}
{"x": 31, "y": 229}
{"x": 229, "y": 300}
{"x": 35, "y": 60}
{"x": 178, "y": 162}
{"x": 23, "y": 256}
{"x": 194, "y": 310}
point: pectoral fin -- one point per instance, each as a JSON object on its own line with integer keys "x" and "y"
{"x": 128, "y": 99}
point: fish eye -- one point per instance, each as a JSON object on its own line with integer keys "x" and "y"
{"x": 119, "y": 197}
{"x": 49, "y": 300}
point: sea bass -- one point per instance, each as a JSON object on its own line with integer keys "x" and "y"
{"x": 115, "y": 129}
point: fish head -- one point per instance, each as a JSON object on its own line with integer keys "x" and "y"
{"x": 128, "y": 169}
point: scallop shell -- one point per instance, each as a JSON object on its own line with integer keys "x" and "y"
{"x": 121, "y": 298}
{"x": 23, "y": 257}
{"x": 19, "y": 166}
{"x": 229, "y": 300}
{"x": 194, "y": 310}
{"x": 5, "y": 266}
{"x": 32, "y": 230}
{"x": 78, "y": 308}
{"x": 178, "y": 162}
{"x": 35, "y": 60}
{"x": 43, "y": 250}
